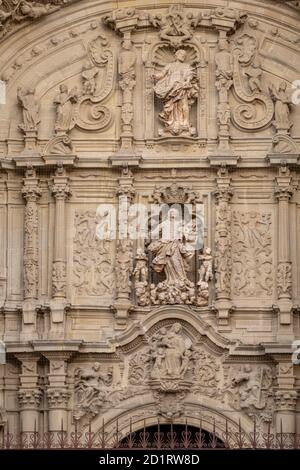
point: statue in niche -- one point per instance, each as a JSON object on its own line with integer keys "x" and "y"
{"x": 173, "y": 252}
{"x": 171, "y": 354}
{"x": 283, "y": 103}
{"x": 65, "y": 108}
{"x": 254, "y": 73}
{"x": 30, "y": 109}
{"x": 89, "y": 74}
{"x": 177, "y": 87}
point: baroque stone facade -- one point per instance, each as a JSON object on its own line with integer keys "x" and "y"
{"x": 116, "y": 127}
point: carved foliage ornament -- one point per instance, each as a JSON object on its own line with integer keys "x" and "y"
{"x": 252, "y": 254}
{"x": 93, "y": 265}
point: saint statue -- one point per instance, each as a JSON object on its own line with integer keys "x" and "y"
{"x": 64, "y": 114}
{"x": 30, "y": 109}
{"x": 177, "y": 87}
{"x": 171, "y": 251}
{"x": 282, "y": 100}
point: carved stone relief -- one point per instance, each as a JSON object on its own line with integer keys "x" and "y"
{"x": 250, "y": 388}
{"x": 91, "y": 388}
{"x": 92, "y": 259}
{"x": 252, "y": 254}
{"x": 13, "y": 13}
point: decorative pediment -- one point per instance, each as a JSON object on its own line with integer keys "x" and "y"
{"x": 59, "y": 148}
{"x": 284, "y": 148}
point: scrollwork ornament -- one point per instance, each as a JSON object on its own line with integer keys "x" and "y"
{"x": 257, "y": 109}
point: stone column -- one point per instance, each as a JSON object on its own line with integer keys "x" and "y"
{"x": 223, "y": 262}
{"x": 285, "y": 396}
{"x": 57, "y": 392}
{"x": 31, "y": 193}
{"x": 286, "y": 401}
{"x": 29, "y": 395}
{"x": 283, "y": 193}
{"x": 61, "y": 192}
{"x": 124, "y": 255}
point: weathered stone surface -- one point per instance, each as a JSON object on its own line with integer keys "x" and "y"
{"x": 114, "y": 112}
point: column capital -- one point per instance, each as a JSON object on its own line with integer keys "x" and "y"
{"x": 31, "y": 191}
{"x": 60, "y": 188}
{"x": 58, "y": 397}
{"x": 286, "y": 400}
{"x": 284, "y": 188}
{"x": 29, "y": 398}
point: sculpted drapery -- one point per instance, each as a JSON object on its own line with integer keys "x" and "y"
{"x": 177, "y": 88}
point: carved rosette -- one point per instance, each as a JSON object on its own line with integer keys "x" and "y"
{"x": 286, "y": 400}
{"x": 30, "y": 398}
{"x": 31, "y": 193}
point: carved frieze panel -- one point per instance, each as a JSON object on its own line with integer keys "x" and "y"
{"x": 91, "y": 387}
{"x": 250, "y": 388}
{"x": 252, "y": 254}
{"x": 93, "y": 264}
